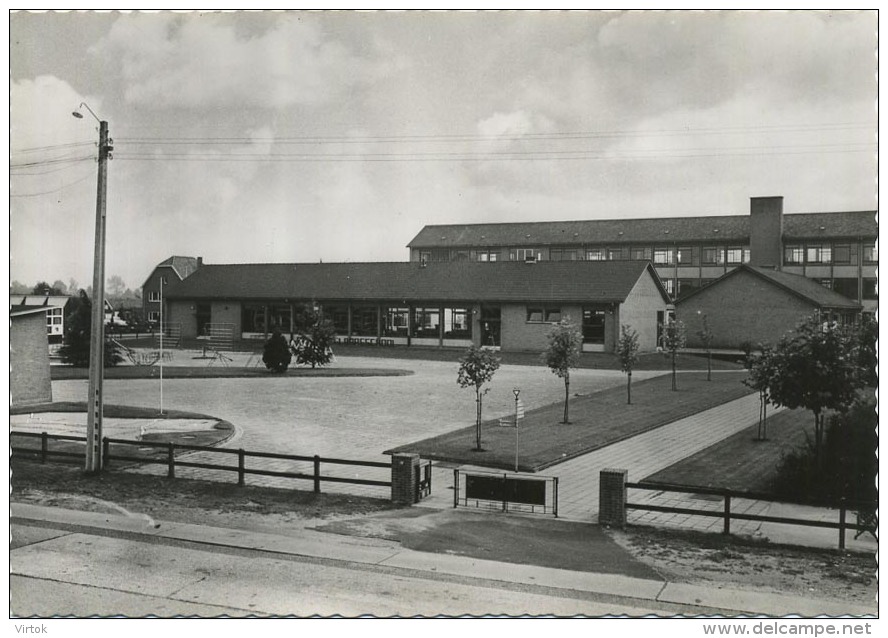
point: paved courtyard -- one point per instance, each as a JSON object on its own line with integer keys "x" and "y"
{"x": 345, "y": 417}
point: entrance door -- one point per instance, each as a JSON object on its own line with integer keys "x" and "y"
{"x": 204, "y": 317}
{"x": 491, "y": 322}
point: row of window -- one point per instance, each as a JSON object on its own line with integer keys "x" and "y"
{"x": 365, "y": 321}
{"x": 845, "y": 286}
{"x": 798, "y": 254}
{"x": 731, "y": 255}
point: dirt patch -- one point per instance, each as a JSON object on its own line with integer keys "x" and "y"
{"x": 713, "y": 559}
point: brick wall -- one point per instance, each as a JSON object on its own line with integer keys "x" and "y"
{"x": 741, "y": 308}
{"x": 29, "y": 380}
{"x": 640, "y": 312}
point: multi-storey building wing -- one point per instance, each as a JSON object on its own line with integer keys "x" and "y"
{"x": 837, "y": 249}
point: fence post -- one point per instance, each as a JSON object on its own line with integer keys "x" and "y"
{"x": 317, "y": 474}
{"x": 240, "y": 467}
{"x": 555, "y": 504}
{"x": 405, "y": 473}
{"x": 44, "y": 445}
{"x": 106, "y": 449}
{"x": 842, "y": 523}
{"x": 171, "y": 462}
{"x": 505, "y": 496}
{"x": 612, "y": 497}
{"x": 455, "y": 488}
{"x": 727, "y": 514}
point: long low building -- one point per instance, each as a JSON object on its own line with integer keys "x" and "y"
{"x": 510, "y": 305}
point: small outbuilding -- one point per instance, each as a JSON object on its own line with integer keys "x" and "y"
{"x": 29, "y": 380}
{"x": 752, "y": 305}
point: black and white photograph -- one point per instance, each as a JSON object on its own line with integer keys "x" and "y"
{"x": 444, "y": 314}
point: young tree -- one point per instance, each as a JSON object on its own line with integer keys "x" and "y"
{"x": 706, "y": 336}
{"x": 627, "y": 350}
{"x": 276, "y": 353}
{"x": 562, "y": 354}
{"x": 78, "y": 329}
{"x": 314, "y": 337}
{"x": 477, "y": 367}
{"x": 674, "y": 339}
{"x": 761, "y": 371}
{"x": 815, "y": 368}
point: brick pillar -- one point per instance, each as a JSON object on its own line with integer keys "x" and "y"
{"x": 405, "y": 472}
{"x": 612, "y": 497}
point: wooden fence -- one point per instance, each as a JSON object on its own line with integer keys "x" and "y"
{"x": 866, "y": 512}
{"x": 168, "y": 451}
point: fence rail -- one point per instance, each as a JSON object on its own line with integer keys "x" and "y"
{"x": 866, "y": 522}
{"x": 169, "y": 459}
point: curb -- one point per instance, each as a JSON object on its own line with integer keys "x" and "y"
{"x": 710, "y": 600}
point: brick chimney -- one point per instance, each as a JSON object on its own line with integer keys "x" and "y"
{"x": 766, "y": 232}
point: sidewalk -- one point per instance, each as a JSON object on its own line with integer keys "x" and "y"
{"x": 620, "y": 589}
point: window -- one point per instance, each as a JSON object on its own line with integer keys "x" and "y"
{"x": 686, "y": 256}
{"x": 870, "y": 253}
{"x": 562, "y": 254}
{"x": 457, "y": 323}
{"x": 154, "y": 295}
{"x": 396, "y": 320}
{"x": 596, "y": 254}
{"x": 461, "y": 255}
{"x": 639, "y": 253}
{"x": 826, "y": 283}
{"x": 663, "y": 256}
{"x": 818, "y": 254}
{"x": 593, "y": 325}
{"x": 614, "y": 254}
{"x": 523, "y": 254}
{"x": 841, "y": 254}
{"x": 364, "y": 321}
{"x": 669, "y": 285}
{"x": 153, "y": 316}
{"x": 793, "y": 255}
{"x": 686, "y": 287}
{"x": 713, "y": 256}
{"x": 487, "y": 255}
{"x": 541, "y": 314}
{"x": 846, "y": 286}
{"x": 425, "y": 257}
{"x": 870, "y": 289}
{"x": 339, "y": 316}
{"x": 426, "y": 322}
{"x": 734, "y": 255}
{"x": 253, "y": 318}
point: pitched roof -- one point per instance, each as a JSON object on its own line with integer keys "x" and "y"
{"x": 18, "y": 311}
{"x": 53, "y": 301}
{"x": 577, "y": 281}
{"x": 651, "y": 230}
{"x": 798, "y": 285}
{"x": 184, "y": 266}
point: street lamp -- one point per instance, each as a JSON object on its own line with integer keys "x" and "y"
{"x": 516, "y": 392}
{"x": 95, "y": 403}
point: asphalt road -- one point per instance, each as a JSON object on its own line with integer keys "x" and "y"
{"x": 79, "y": 573}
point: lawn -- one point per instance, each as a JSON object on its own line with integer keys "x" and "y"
{"x": 597, "y": 420}
{"x": 741, "y": 462}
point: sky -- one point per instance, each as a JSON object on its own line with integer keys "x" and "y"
{"x": 336, "y": 136}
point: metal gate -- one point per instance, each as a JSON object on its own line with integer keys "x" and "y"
{"x": 506, "y": 492}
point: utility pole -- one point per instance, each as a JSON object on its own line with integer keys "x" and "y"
{"x": 95, "y": 404}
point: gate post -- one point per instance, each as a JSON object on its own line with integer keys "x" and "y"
{"x": 612, "y": 497}
{"x": 405, "y": 472}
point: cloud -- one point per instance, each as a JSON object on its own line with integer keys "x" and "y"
{"x": 205, "y": 62}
